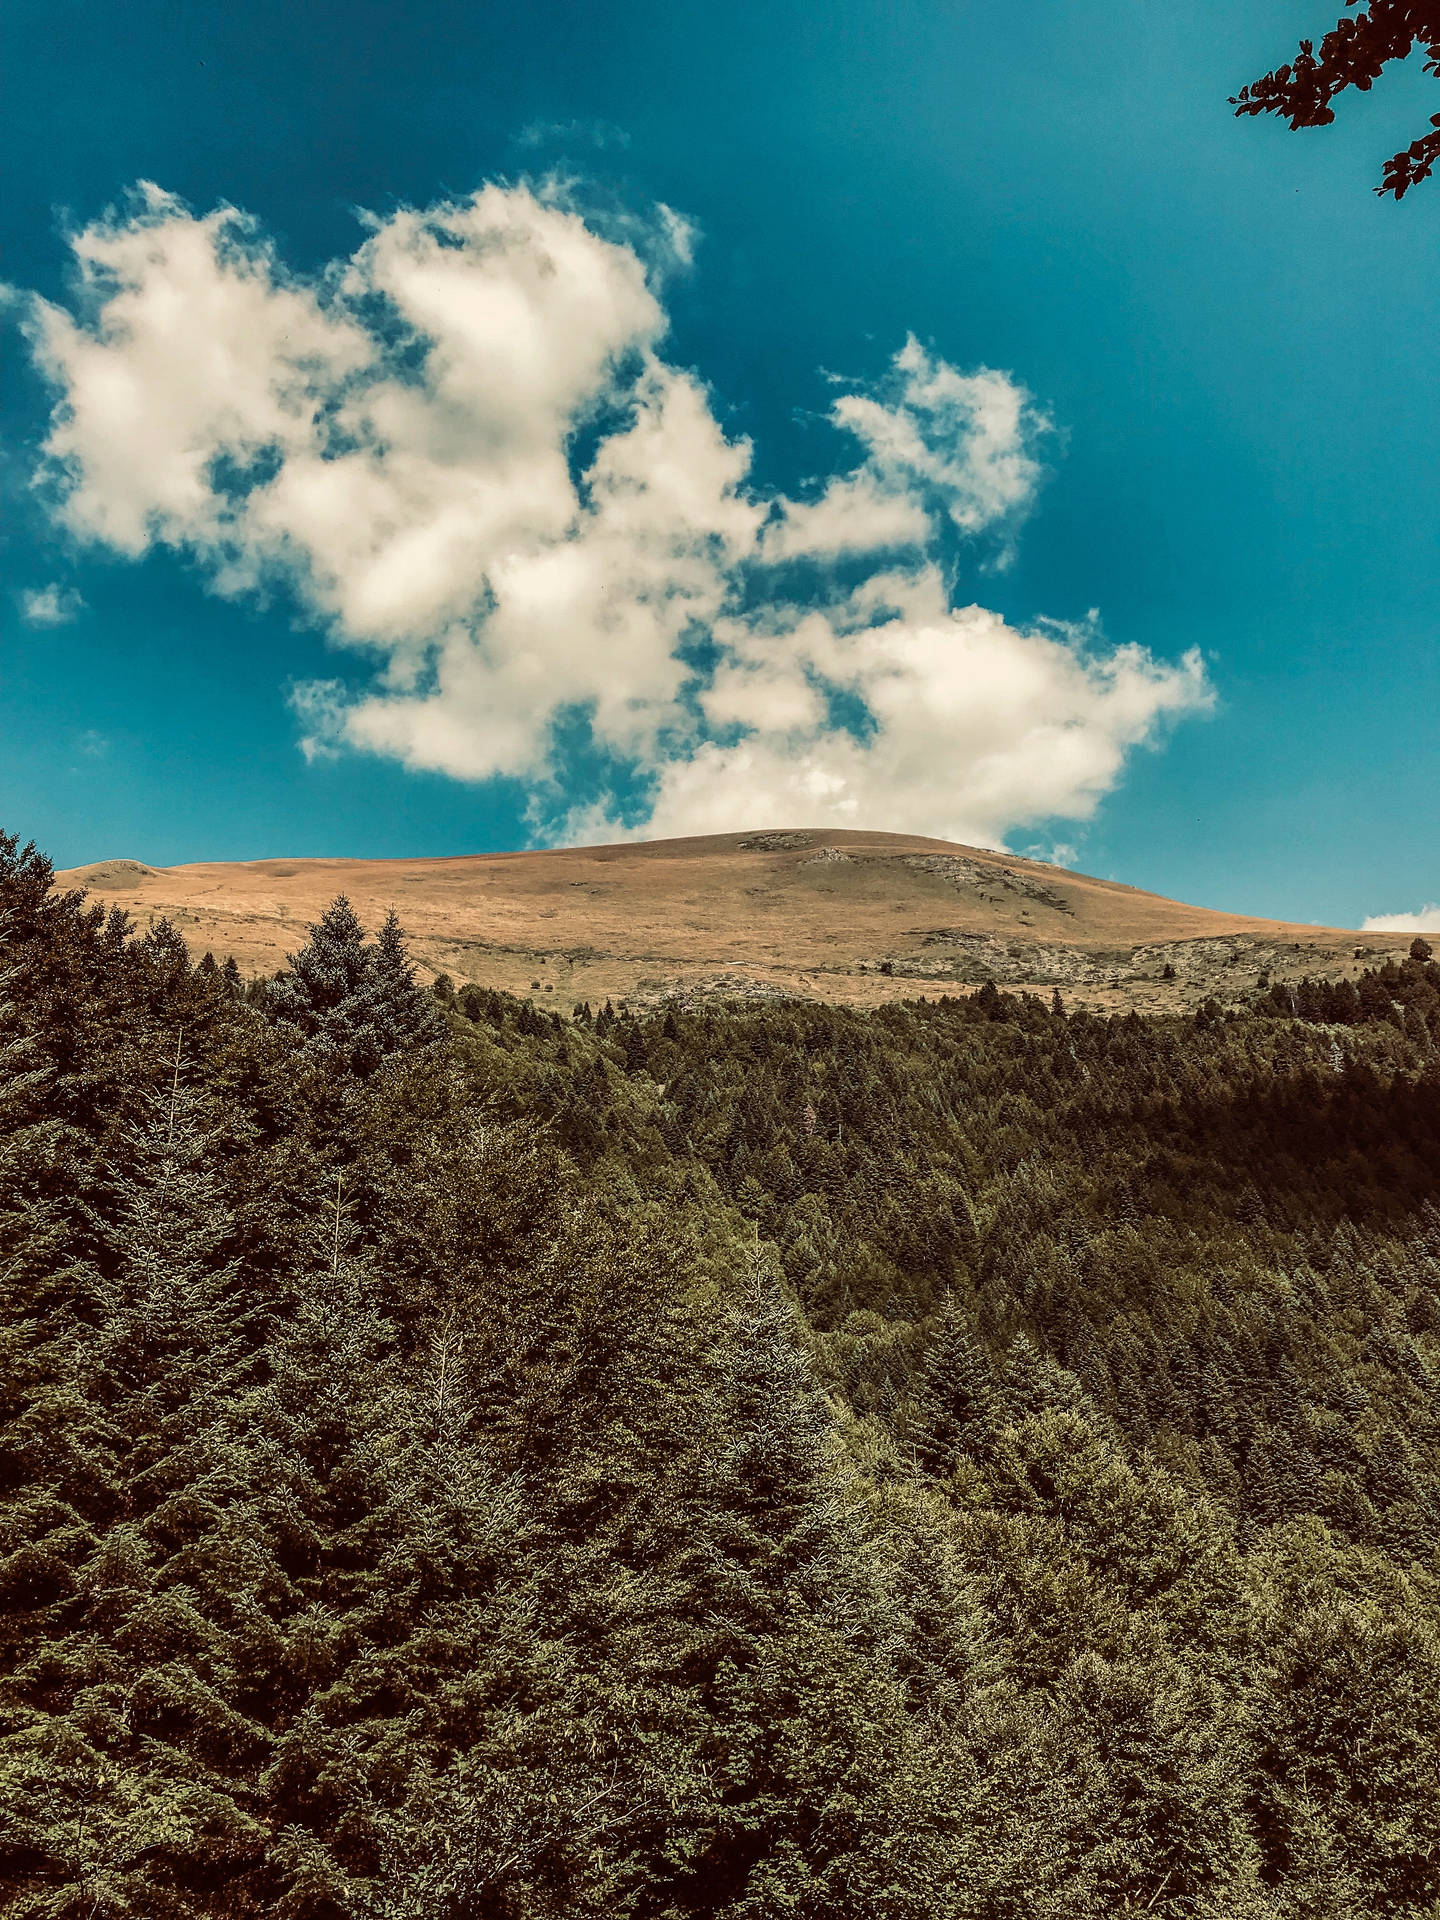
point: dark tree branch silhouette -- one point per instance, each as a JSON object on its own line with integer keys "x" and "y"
{"x": 1355, "y": 53}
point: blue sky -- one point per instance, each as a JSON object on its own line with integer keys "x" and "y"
{"x": 1225, "y": 339}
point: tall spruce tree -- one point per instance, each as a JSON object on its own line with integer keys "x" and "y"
{"x": 406, "y": 1017}
{"x": 355, "y": 1004}
{"x": 955, "y": 1400}
{"x": 823, "y": 1792}
{"x": 327, "y": 995}
{"x": 122, "y": 1745}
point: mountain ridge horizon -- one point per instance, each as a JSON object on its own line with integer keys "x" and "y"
{"x": 794, "y": 911}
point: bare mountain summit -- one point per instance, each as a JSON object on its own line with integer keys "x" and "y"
{"x": 850, "y": 917}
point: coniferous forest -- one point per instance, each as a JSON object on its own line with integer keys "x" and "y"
{"x": 966, "y": 1461}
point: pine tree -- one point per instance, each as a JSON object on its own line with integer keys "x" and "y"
{"x": 355, "y": 1005}
{"x": 328, "y": 994}
{"x": 166, "y": 1292}
{"x": 954, "y": 1405}
{"x": 326, "y": 1437}
{"x": 124, "y": 1743}
{"x": 791, "y": 1631}
{"x": 405, "y": 1016}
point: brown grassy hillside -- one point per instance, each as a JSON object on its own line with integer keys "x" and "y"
{"x": 849, "y": 917}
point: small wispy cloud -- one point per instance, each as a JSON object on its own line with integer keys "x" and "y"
{"x": 1424, "y": 919}
{"x": 1059, "y": 853}
{"x": 600, "y": 135}
{"x": 92, "y": 745}
{"x": 52, "y": 606}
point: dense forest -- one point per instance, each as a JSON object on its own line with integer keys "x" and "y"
{"x": 966, "y": 1461}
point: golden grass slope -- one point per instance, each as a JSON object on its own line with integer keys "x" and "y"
{"x": 848, "y": 917}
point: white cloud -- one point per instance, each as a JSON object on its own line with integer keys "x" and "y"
{"x": 1425, "y": 920}
{"x": 52, "y": 606}
{"x": 933, "y": 440}
{"x": 465, "y": 454}
{"x": 966, "y": 436}
{"x": 972, "y": 725}
{"x": 1059, "y": 853}
{"x": 600, "y": 134}
{"x": 855, "y": 514}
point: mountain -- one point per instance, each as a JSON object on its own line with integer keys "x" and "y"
{"x": 850, "y": 918}
{"x": 965, "y": 1460}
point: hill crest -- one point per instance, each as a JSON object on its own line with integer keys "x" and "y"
{"x": 852, "y": 917}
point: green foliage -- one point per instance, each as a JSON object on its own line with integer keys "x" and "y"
{"x": 460, "y": 1464}
{"x": 354, "y": 1004}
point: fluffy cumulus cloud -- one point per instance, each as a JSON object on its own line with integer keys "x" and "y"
{"x": 465, "y": 454}
{"x": 1423, "y": 920}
